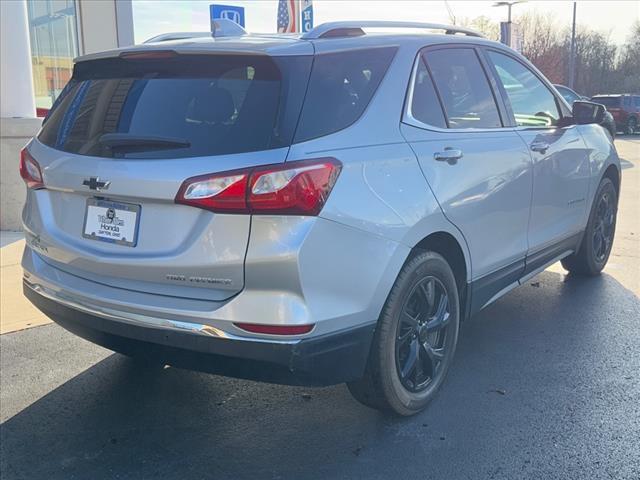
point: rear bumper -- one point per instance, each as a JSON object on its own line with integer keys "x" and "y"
{"x": 323, "y": 360}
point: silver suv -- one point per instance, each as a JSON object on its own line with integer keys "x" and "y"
{"x": 311, "y": 209}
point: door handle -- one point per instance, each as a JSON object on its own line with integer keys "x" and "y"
{"x": 449, "y": 154}
{"x": 541, "y": 147}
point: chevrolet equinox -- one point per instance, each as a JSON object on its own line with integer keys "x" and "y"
{"x": 310, "y": 209}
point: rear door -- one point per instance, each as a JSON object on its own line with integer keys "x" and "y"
{"x": 121, "y": 140}
{"x": 479, "y": 171}
{"x": 561, "y": 169}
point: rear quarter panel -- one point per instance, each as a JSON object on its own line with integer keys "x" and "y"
{"x": 381, "y": 189}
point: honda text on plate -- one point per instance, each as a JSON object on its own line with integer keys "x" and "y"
{"x": 309, "y": 210}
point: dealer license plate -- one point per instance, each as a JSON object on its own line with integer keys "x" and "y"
{"x": 112, "y": 222}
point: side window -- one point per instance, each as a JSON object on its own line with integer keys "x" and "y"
{"x": 463, "y": 88}
{"x": 627, "y": 102}
{"x": 340, "y": 88}
{"x": 425, "y": 106}
{"x": 532, "y": 102}
{"x": 568, "y": 95}
{"x": 637, "y": 101}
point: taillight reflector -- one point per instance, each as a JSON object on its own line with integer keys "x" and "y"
{"x": 275, "y": 329}
{"x": 292, "y": 188}
{"x": 30, "y": 170}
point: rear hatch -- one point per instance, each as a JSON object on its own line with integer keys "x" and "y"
{"x": 123, "y": 136}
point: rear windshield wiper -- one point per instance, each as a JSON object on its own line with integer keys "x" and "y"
{"x": 128, "y": 142}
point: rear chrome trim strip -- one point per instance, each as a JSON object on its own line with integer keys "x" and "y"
{"x": 144, "y": 320}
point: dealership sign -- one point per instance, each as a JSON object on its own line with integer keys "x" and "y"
{"x": 228, "y": 12}
{"x": 306, "y": 12}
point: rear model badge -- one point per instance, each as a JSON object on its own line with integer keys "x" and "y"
{"x": 209, "y": 280}
{"x": 94, "y": 183}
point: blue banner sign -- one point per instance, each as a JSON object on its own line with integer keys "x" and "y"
{"x": 306, "y": 14}
{"x": 229, "y": 12}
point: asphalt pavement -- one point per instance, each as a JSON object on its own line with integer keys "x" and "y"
{"x": 545, "y": 385}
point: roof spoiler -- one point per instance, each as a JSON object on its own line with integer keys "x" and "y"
{"x": 167, "y": 37}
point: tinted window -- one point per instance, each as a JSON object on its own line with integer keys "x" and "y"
{"x": 637, "y": 101}
{"x": 532, "y": 102}
{"x": 463, "y": 88}
{"x": 340, "y": 88}
{"x": 569, "y": 95}
{"x": 183, "y": 106}
{"x": 425, "y": 106}
{"x": 609, "y": 102}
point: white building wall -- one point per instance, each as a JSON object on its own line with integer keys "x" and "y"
{"x": 16, "y": 79}
{"x": 104, "y": 24}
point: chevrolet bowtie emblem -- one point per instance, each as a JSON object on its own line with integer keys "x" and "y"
{"x": 94, "y": 183}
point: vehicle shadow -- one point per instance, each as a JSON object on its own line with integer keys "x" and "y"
{"x": 526, "y": 393}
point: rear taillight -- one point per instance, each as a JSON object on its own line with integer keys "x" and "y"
{"x": 222, "y": 193}
{"x": 30, "y": 170}
{"x": 293, "y": 188}
{"x": 275, "y": 329}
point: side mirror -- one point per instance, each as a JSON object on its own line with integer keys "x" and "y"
{"x": 587, "y": 112}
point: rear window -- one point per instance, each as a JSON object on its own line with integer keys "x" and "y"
{"x": 340, "y": 88}
{"x": 607, "y": 101}
{"x": 183, "y": 106}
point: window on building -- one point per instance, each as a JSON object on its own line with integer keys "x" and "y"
{"x": 54, "y": 45}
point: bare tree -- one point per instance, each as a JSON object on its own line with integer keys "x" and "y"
{"x": 601, "y": 65}
{"x": 542, "y": 44}
{"x": 484, "y": 25}
{"x": 628, "y": 66}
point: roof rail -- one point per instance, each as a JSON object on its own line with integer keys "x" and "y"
{"x": 355, "y": 28}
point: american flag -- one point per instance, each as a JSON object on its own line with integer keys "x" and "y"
{"x": 288, "y": 16}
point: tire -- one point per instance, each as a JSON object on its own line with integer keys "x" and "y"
{"x": 597, "y": 241}
{"x": 632, "y": 125}
{"x": 415, "y": 299}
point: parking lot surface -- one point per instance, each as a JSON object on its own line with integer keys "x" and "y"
{"x": 545, "y": 385}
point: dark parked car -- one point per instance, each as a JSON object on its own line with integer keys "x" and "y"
{"x": 625, "y": 109}
{"x": 571, "y": 96}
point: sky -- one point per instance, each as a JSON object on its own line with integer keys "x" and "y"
{"x": 152, "y": 17}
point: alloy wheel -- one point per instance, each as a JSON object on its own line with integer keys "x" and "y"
{"x": 603, "y": 227}
{"x": 420, "y": 345}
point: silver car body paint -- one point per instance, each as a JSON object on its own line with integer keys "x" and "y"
{"x": 499, "y": 203}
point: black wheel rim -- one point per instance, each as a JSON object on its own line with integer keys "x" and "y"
{"x": 421, "y": 335}
{"x": 603, "y": 227}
